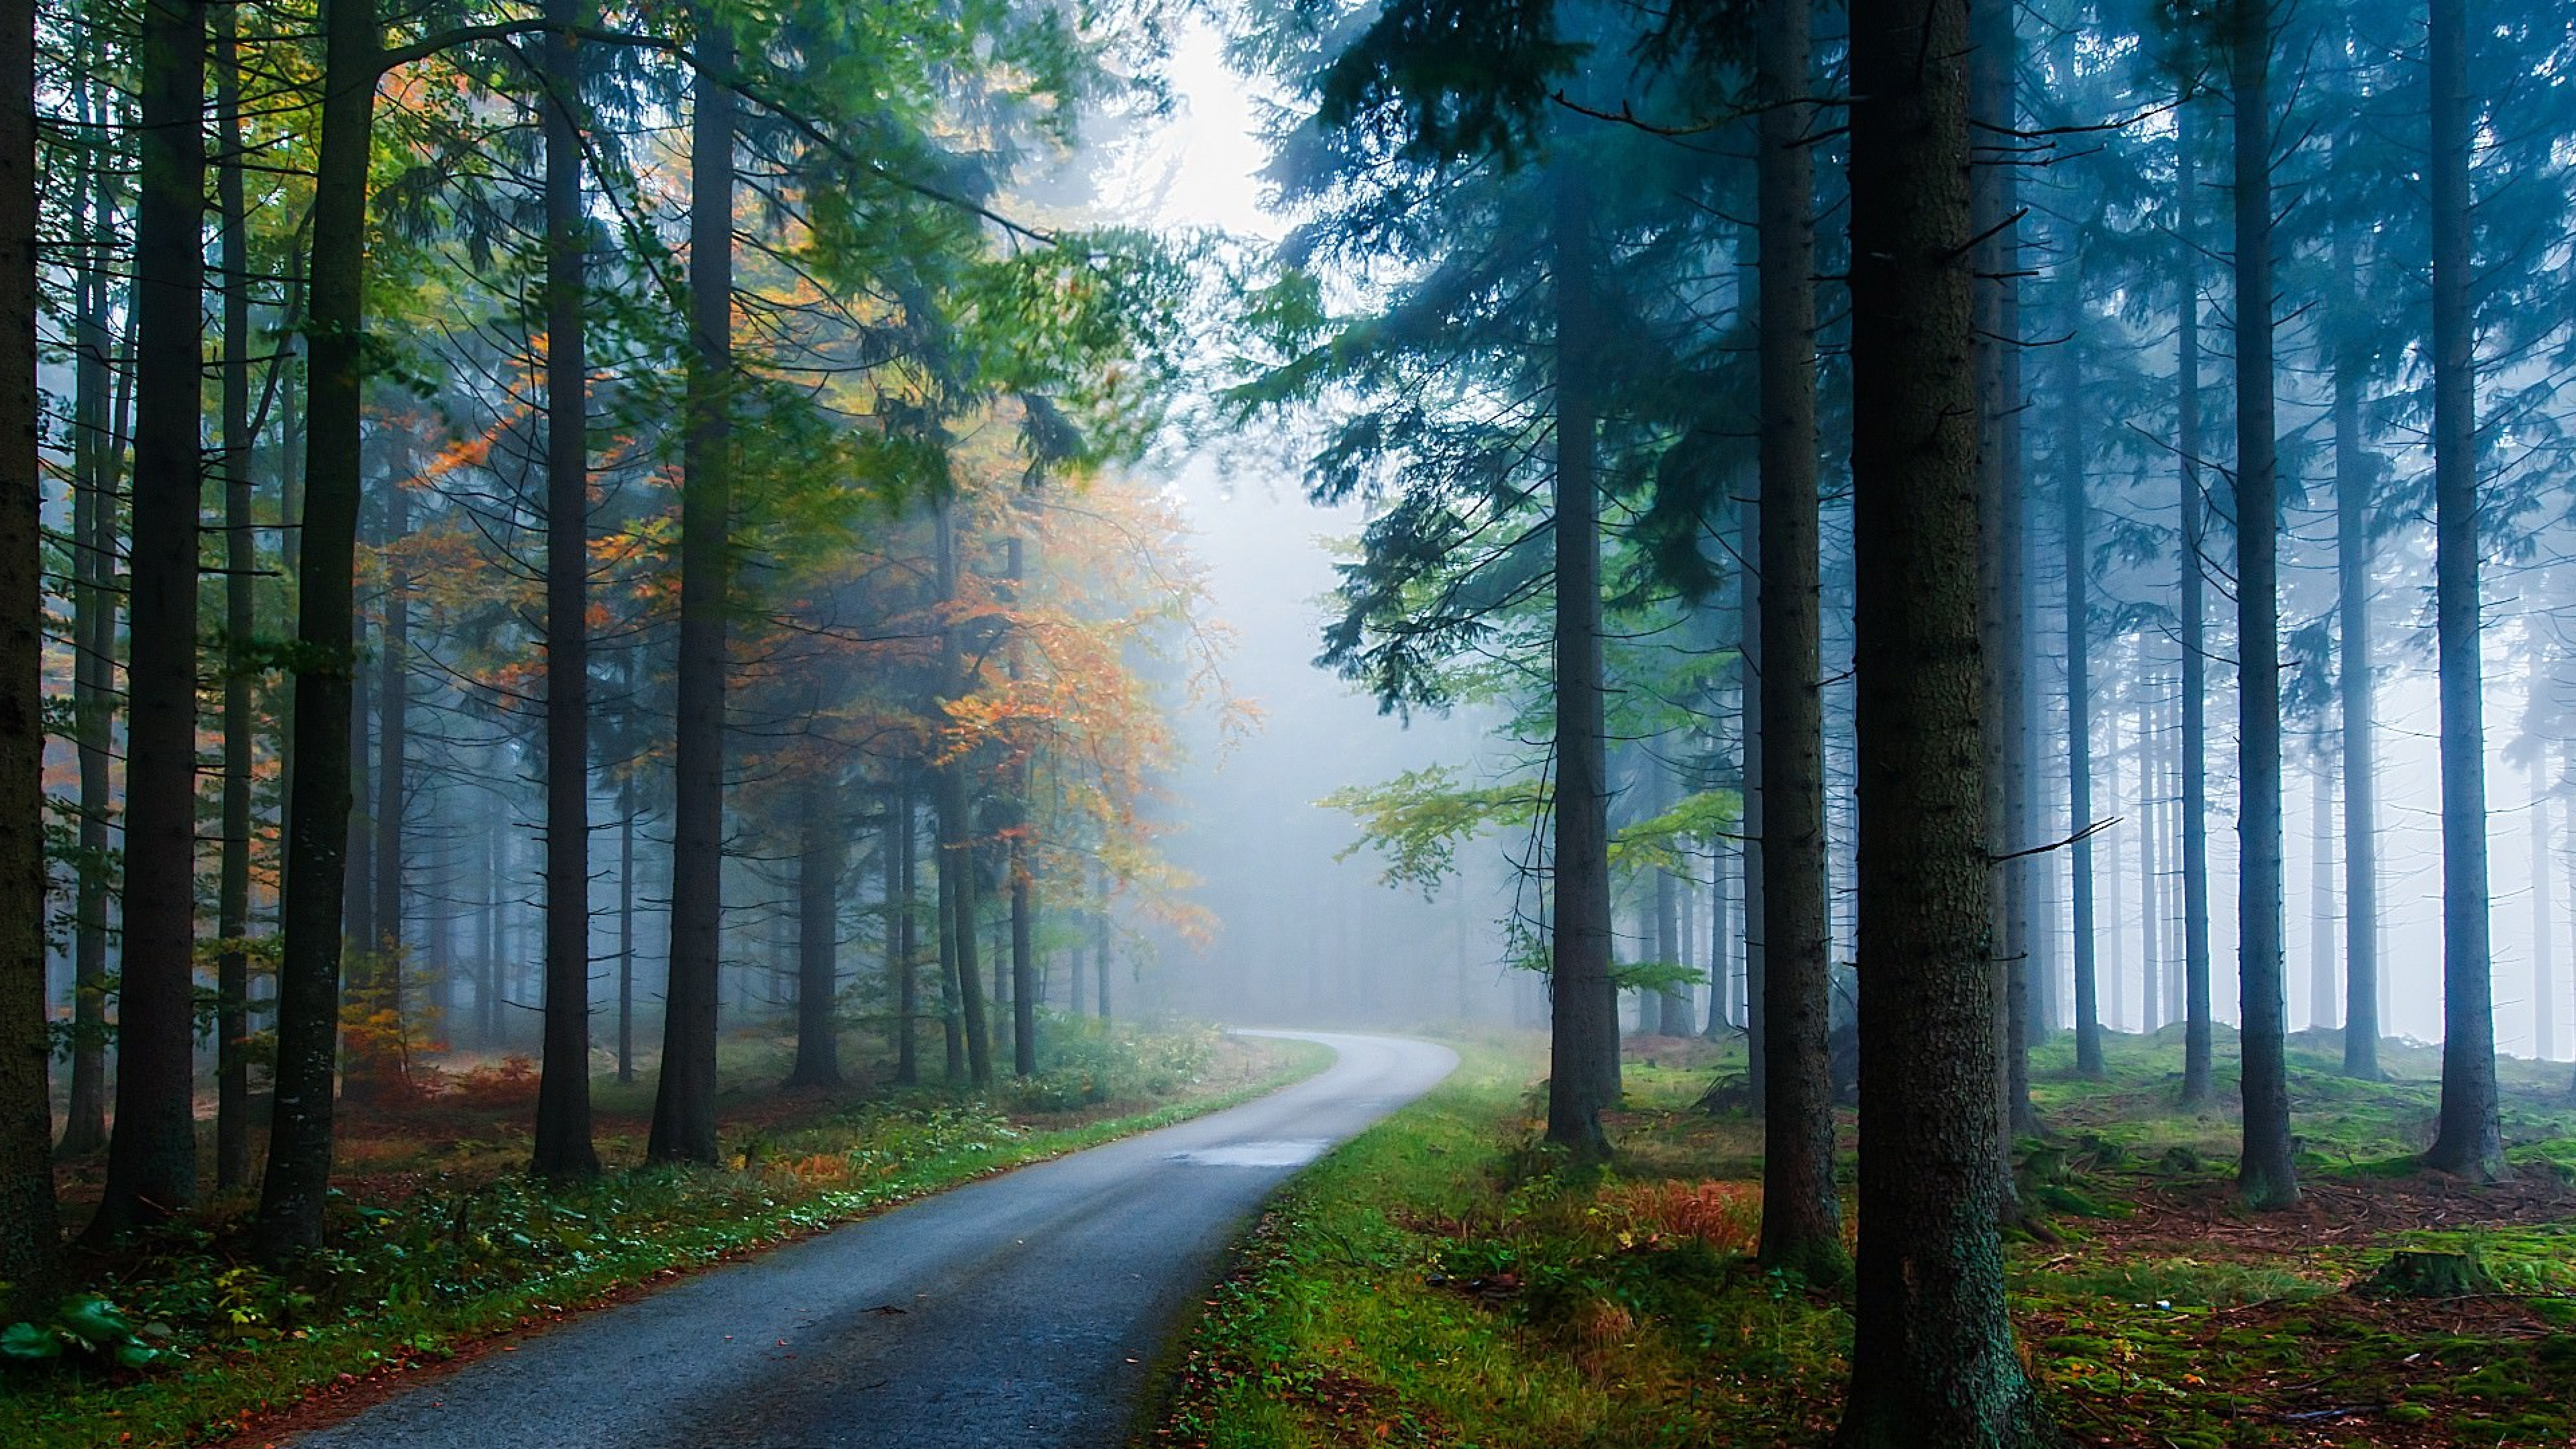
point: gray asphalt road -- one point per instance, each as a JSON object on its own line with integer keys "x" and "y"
{"x": 1022, "y": 1311}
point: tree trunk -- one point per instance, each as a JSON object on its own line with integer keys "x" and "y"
{"x": 317, "y": 822}
{"x": 98, "y": 451}
{"x": 818, "y": 918}
{"x": 1672, "y": 1009}
{"x": 2470, "y": 1142}
{"x": 1585, "y": 1020}
{"x": 1024, "y": 964}
{"x": 232, "y": 889}
{"x": 2362, "y": 1028}
{"x": 1753, "y": 862}
{"x": 2544, "y": 993}
{"x": 684, "y": 1101}
{"x": 2265, "y": 1174}
{"x": 1722, "y": 947}
{"x": 2151, "y": 866}
{"x": 626, "y": 944}
{"x": 1801, "y": 1211}
{"x": 1100, "y": 948}
{"x": 152, "y": 1158}
{"x": 2321, "y": 904}
{"x": 2194, "y": 608}
{"x": 563, "y": 1134}
{"x": 957, "y": 829}
{"x": 1992, "y": 201}
{"x": 1933, "y": 1359}
{"x": 30, "y": 1241}
{"x": 944, "y": 867}
{"x": 377, "y": 1074}
{"x": 903, "y": 946}
{"x": 2076, "y": 535}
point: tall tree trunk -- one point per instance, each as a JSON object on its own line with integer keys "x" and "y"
{"x": 684, "y": 1100}
{"x": 903, "y": 945}
{"x": 1752, "y": 861}
{"x": 317, "y": 822}
{"x": 2362, "y": 1028}
{"x": 1801, "y": 1210}
{"x": 2075, "y": 533}
{"x": 152, "y": 1159}
{"x": 98, "y": 451}
{"x": 944, "y": 867}
{"x": 30, "y": 1241}
{"x": 1992, "y": 202}
{"x": 2151, "y": 865}
{"x": 2321, "y": 904}
{"x": 818, "y": 917}
{"x": 2470, "y": 1142}
{"x": 2265, "y": 1174}
{"x": 1585, "y": 1020}
{"x": 232, "y": 889}
{"x": 2194, "y": 608}
{"x": 1025, "y": 989}
{"x": 381, "y": 1073}
{"x": 1933, "y": 1360}
{"x": 1672, "y": 1006}
{"x": 1723, "y": 948}
{"x": 563, "y": 1134}
{"x": 1100, "y": 947}
{"x": 957, "y": 842}
{"x": 626, "y": 944}
{"x": 2544, "y": 993}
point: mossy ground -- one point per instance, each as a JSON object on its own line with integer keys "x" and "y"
{"x": 1437, "y": 1282}
{"x": 439, "y": 1241}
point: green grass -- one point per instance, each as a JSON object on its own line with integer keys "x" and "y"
{"x": 1435, "y": 1282}
{"x": 469, "y": 1255}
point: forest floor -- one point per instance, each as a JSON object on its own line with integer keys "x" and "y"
{"x": 439, "y": 1242}
{"x": 1438, "y": 1282}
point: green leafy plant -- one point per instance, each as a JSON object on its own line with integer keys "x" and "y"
{"x": 85, "y": 1326}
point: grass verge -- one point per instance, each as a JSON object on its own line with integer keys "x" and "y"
{"x": 1437, "y": 1282}
{"x": 416, "y": 1277}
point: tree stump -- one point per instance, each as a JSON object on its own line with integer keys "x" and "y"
{"x": 2412, "y": 1273}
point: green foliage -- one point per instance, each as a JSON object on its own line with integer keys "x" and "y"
{"x": 87, "y": 1328}
{"x": 1420, "y": 818}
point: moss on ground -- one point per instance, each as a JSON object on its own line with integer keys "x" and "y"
{"x": 1439, "y": 1282}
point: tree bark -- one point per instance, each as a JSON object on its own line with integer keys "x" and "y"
{"x": 98, "y": 452}
{"x": 563, "y": 1133}
{"x": 626, "y": 944}
{"x": 152, "y": 1158}
{"x": 1993, "y": 198}
{"x": 317, "y": 822}
{"x": 232, "y": 888}
{"x": 2265, "y": 1174}
{"x": 2362, "y": 1028}
{"x": 2470, "y": 1142}
{"x": 957, "y": 841}
{"x": 902, "y": 943}
{"x": 1933, "y": 1359}
{"x": 1585, "y": 1018}
{"x": 2544, "y": 992}
{"x": 819, "y": 851}
{"x": 1801, "y": 1210}
{"x": 1752, "y": 861}
{"x": 377, "y": 1074}
{"x": 30, "y": 1240}
{"x": 2194, "y": 608}
{"x": 2321, "y": 911}
{"x": 684, "y": 1102}
{"x": 2075, "y": 533}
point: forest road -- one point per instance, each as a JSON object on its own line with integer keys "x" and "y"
{"x": 1025, "y": 1310}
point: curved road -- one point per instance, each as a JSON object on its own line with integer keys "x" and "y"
{"x": 1022, "y": 1310}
